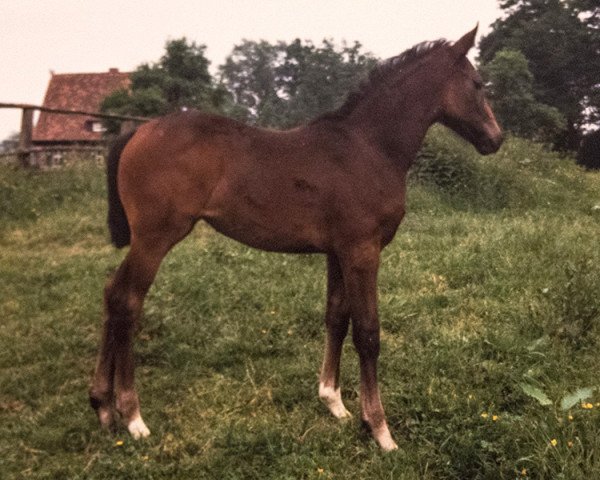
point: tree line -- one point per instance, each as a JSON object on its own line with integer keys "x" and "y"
{"x": 541, "y": 64}
{"x": 272, "y": 85}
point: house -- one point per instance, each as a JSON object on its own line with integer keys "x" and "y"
{"x": 76, "y": 91}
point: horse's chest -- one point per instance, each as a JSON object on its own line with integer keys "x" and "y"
{"x": 380, "y": 208}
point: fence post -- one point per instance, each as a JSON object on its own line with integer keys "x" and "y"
{"x": 26, "y": 136}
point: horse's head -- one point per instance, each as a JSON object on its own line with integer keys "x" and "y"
{"x": 464, "y": 107}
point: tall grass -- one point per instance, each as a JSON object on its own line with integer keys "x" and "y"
{"x": 489, "y": 308}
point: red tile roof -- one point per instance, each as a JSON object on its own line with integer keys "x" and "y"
{"x": 76, "y": 91}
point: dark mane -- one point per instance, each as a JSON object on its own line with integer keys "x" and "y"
{"x": 381, "y": 73}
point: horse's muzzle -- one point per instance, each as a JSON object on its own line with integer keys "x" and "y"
{"x": 490, "y": 144}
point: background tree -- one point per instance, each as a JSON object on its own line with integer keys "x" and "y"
{"x": 317, "y": 79}
{"x": 250, "y": 75}
{"x": 178, "y": 80}
{"x": 286, "y": 84}
{"x": 561, "y": 42}
{"x": 511, "y": 92}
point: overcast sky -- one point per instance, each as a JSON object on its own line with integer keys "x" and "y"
{"x": 71, "y": 36}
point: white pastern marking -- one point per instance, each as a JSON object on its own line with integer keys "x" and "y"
{"x": 332, "y": 397}
{"x": 138, "y": 428}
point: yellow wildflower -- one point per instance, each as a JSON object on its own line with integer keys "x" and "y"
{"x": 554, "y": 442}
{"x": 118, "y": 443}
{"x": 570, "y": 417}
{"x": 524, "y": 472}
{"x": 484, "y": 415}
{"x": 495, "y": 418}
{"x": 320, "y": 470}
{"x": 570, "y": 444}
{"x": 587, "y": 406}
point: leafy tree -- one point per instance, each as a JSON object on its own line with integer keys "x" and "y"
{"x": 287, "y": 84}
{"x": 322, "y": 77}
{"x": 561, "y": 42}
{"x": 180, "y": 79}
{"x": 511, "y": 91}
{"x": 250, "y": 75}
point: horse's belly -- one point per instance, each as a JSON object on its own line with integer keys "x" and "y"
{"x": 271, "y": 234}
{"x": 267, "y": 216}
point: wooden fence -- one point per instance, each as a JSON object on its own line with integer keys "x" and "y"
{"x": 26, "y": 149}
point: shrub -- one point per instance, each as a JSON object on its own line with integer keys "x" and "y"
{"x": 463, "y": 177}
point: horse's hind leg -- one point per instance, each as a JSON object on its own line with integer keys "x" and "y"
{"x": 337, "y": 318}
{"x": 123, "y": 297}
{"x": 113, "y": 382}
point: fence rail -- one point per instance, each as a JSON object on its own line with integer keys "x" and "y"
{"x": 25, "y": 147}
{"x": 62, "y": 111}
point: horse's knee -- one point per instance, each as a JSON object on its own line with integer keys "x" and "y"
{"x": 366, "y": 341}
{"x": 337, "y": 314}
{"x": 337, "y": 304}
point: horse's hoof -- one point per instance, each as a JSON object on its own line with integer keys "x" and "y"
{"x": 384, "y": 438}
{"x": 138, "y": 429}
{"x": 333, "y": 399}
{"x": 388, "y": 445}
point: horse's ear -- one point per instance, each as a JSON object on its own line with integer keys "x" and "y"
{"x": 467, "y": 41}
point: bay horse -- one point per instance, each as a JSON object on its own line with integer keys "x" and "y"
{"x": 334, "y": 186}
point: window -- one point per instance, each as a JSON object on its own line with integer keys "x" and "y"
{"x": 95, "y": 126}
{"x": 98, "y": 127}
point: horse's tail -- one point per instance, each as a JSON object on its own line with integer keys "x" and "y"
{"x": 120, "y": 234}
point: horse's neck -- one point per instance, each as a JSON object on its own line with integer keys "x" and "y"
{"x": 396, "y": 122}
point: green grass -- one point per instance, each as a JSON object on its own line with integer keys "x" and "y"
{"x": 489, "y": 307}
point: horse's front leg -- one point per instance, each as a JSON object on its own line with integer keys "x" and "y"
{"x": 337, "y": 318}
{"x": 359, "y": 267}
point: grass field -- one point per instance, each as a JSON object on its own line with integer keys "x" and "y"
{"x": 489, "y": 303}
